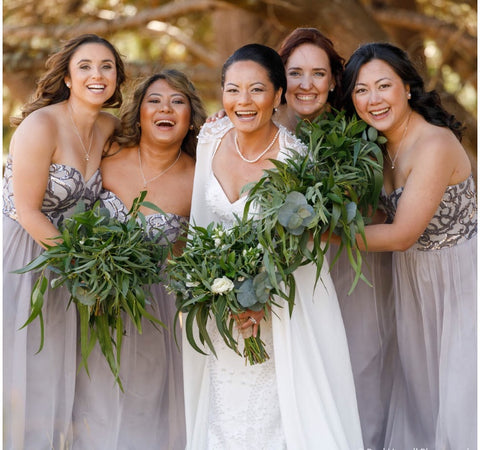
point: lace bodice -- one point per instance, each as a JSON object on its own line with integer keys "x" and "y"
{"x": 171, "y": 225}
{"x": 65, "y": 188}
{"x": 454, "y": 222}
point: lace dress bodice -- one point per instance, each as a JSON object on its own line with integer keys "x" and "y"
{"x": 66, "y": 187}
{"x": 454, "y": 222}
{"x": 171, "y": 225}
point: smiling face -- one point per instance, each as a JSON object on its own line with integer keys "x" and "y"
{"x": 164, "y": 114}
{"x": 380, "y": 97}
{"x": 92, "y": 73}
{"x": 309, "y": 78}
{"x": 249, "y": 96}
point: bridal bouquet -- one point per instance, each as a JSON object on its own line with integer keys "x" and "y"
{"x": 332, "y": 187}
{"x": 106, "y": 266}
{"x": 221, "y": 273}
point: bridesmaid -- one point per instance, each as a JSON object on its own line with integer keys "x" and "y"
{"x": 430, "y": 198}
{"x": 154, "y": 151}
{"x": 53, "y": 164}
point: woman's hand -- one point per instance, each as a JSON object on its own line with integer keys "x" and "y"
{"x": 249, "y": 321}
{"x": 218, "y": 115}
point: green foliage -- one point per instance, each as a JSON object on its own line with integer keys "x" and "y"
{"x": 333, "y": 187}
{"x": 221, "y": 273}
{"x": 107, "y": 266}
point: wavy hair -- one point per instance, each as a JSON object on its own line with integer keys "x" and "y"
{"x": 130, "y": 133}
{"x": 301, "y": 36}
{"x": 428, "y": 104}
{"x": 51, "y": 87}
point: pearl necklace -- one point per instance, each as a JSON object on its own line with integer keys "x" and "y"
{"x": 87, "y": 153}
{"x": 145, "y": 181}
{"x": 251, "y": 161}
{"x": 399, "y": 145}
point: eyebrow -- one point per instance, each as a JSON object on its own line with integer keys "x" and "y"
{"x": 250, "y": 85}
{"x": 159, "y": 94}
{"x": 301, "y": 68}
{"x": 89, "y": 60}
{"x": 376, "y": 82}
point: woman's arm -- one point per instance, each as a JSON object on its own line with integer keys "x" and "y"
{"x": 433, "y": 167}
{"x": 32, "y": 148}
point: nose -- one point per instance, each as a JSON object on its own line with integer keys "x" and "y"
{"x": 97, "y": 72}
{"x": 306, "y": 82}
{"x": 244, "y": 96}
{"x": 165, "y": 106}
{"x": 374, "y": 97}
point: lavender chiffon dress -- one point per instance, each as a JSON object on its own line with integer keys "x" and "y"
{"x": 38, "y": 388}
{"x": 149, "y": 414}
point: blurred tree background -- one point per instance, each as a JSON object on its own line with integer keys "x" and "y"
{"x": 196, "y": 36}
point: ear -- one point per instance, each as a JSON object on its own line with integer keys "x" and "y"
{"x": 278, "y": 98}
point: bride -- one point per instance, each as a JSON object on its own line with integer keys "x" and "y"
{"x": 303, "y": 397}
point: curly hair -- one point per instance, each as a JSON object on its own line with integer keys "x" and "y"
{"x": 428, "y": 104}
{"x": 129, "y": 133}
{"x": 301, "y": 36}
{"x": 51, "y": 88}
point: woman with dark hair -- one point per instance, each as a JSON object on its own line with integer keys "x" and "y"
{"x": 302, "y": 397}
{"x": 53, "y": 164}
{"x": 431, "y": 227}
{"x": 153, "y": 151}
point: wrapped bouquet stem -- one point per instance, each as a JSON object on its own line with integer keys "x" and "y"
{"x": 107, "y": 266}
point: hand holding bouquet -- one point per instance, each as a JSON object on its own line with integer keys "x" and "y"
{"x": 106, "y": 266}
{"x": 222, "y": 273}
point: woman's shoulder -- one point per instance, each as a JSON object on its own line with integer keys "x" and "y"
{"x": 214, "y": 130}
{"x": 289, "y": 141}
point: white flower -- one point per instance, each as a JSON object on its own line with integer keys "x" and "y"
{"x": 192, "y": 284}
{"x": 222, "y": 285}
{"x": 218, "y": 241}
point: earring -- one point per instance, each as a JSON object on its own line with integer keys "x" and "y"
{"x": 138, "y": 124}
{"x": 409, "y": 95}
{"x": 332, "y": 89}
{"x": 68, "y": 84}
{"x": 191, "y": 127}
{"x": 275, "y": 110}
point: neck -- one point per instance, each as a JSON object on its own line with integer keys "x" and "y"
{"x": 158, "y": 157}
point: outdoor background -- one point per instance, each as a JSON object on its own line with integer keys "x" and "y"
{"x": 196, "y": 36}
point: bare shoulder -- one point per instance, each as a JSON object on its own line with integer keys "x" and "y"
{"x": 107, "y": 123}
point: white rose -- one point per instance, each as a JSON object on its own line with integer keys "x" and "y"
{"x": 222, "y": 285}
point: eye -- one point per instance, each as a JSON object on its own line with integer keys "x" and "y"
{"x": 360, "y": 91}
{"x": 293, "y": 73}
{"x": 107, "y": 66}
{"x": 153, "y": 100}
{"x": 384, "y": 85}
{"x": 319, "y": 74}
{"x": 179, "y": 101}
{"x": 258, "y": 89}
{"x": 231, "y": 90}
{"x": 84, "y": 67}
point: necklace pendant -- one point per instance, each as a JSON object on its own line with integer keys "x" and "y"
{"x": 393, "y": 167}
{"x": 87, "y": 158}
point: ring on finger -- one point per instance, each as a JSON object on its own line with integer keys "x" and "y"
{"x": 253, "y": 320}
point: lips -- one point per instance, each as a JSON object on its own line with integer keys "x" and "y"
{"x": 306, "y": 97}
{"x": 96, "y": 87}
{"x": 164, "y": 123}
{"x": 245, "y": 114}
{"x": 379, "y": 112}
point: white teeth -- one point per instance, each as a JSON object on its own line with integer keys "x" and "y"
{"x": 246, "y": 113}
{"x": 305, "y": 97}
{"x": 378, "y": 113}
{"x": 165, "y": 122}
{"x": 96, "y": 86}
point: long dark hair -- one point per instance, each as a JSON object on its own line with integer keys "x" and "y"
{"x": 428, "y": 104}
{"x": 267, "y": 57}
{"x": 301, "y": 36}
{"x": 130, "y": 133}
{"x": 51, "y": 87}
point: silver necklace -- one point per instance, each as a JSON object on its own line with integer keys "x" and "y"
{"x": 145, "y": 181}
{"x": 399, "y": 145}
{"x": 87, "y": 153}
{"x": 251, "y": 161}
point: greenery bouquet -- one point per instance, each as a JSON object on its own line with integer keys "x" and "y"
{"x": 107, "y": 266}
{"x": 221, "y": 273}
{"x": 333, "y": 187}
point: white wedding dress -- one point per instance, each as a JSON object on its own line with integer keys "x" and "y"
{"x": 303, "y": 397}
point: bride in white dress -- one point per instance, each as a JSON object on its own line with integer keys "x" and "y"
{"x": 303, "y": 397}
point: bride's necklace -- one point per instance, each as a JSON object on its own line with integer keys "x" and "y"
{"x": 251, "y": 161}
{"x": 145, "y": 181}
{"x": 400, "y": 144}
{"x": 87, "y": 153}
